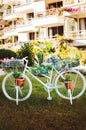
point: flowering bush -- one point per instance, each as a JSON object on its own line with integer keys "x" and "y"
{"x": 71, "y": 9}
{"x": 68, "y": 9}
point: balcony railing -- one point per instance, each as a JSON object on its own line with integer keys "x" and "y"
{"x": 29, "y": 21}
{"x": 8, "y": 12}
{"x": 11, "y": 1}
{"x": 26, "y": 22}
{"x": 5, "y": 1}
{"x": 81, "y": 11}
{"x": 76, "y": 34}
{"x": 49, "y": 12}
{"x": 70, "y": 2}
{"x": 75, "y": 11}
{"x": 9, "y": 28}
{"x": 24, "y": 2}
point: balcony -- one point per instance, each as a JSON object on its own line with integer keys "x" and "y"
{"x": 81, "y": 34}
{"x": 49, "y": 18}
{"x": 9, "y": 15}
{"x": 72, "y": 2}
{"x": 49, "y": 21}
{"x": 81, "y": 12}
{"x": 12, "y": 46}
{"x": 75, "y": 12}
{"x": 24, "y": 8}
{"x": 2, "y": 34}
{"x": 68, "y": 2}
{"x": 11, "y": 2}
{"x": 25, "y": 25}
{"x": 10, "y": 31}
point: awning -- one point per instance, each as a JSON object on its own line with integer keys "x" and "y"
{"x": 78, "y": 43}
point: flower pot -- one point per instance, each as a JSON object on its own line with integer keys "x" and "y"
{"x": 69, "y": 84}
{"x": 1, "y": 61}
{"x": 20, "y": 81}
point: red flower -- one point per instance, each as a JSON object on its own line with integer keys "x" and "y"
{"x": 33, "y": 55}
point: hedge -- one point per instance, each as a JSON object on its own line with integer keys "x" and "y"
{"x": 7, "y": 53}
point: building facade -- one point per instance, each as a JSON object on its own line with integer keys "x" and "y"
{"x": 26, "y": 20}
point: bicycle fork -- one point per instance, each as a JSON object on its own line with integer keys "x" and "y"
{"x": 18, "y": 89}
{"x": 70, "y": 96}
{"x": 16, "y": 95}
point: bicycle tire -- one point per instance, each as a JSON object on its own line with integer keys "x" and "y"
{"x": 77, "y": 89}
{"x": 9, "y": 88}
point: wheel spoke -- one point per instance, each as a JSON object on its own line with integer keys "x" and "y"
{"x": 77, "y": 88}
{"x": 14, "y": 92}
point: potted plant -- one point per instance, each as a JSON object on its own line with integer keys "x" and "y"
{"x": 68, "y": 81}
{"x": 19, "y": 81}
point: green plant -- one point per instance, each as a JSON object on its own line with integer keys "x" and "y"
{"x": 66, "y": 78}
{"x": 7, "y": 53}
{"x": 16, "y": 74}
{"x": 26, "y": 50}
{"x": 40, "y": 57}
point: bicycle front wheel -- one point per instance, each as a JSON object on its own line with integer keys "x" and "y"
{"x": 15, "y": 92}
{"x": 75, "y": 90}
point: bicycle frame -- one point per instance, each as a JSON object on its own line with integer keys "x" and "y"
{"x": 50, "y": 85}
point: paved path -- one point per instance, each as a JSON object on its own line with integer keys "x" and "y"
{"x": 1, "y": 72}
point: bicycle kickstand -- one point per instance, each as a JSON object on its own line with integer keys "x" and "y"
{"x": 49, "y": 96}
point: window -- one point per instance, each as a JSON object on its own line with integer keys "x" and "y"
{"x": 56, "y": 5}
{"x": 31, "y": 36}
{"x": 52, "y": 31}
{"x": 82, "y": 23}
{"x": 30, "y": 15}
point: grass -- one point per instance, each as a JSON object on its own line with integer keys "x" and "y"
{"x": 37, "y": 113}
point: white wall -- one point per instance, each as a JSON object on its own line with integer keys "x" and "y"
{"x": 39, "y": 6}
{"x": 23, "y": 37}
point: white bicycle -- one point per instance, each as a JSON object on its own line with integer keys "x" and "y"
{"x": 57, "y": 80}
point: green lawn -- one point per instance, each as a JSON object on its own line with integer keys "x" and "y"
{"x": 37, "y": 113}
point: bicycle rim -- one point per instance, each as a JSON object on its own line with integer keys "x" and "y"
{"x": 78, "y": 85}
{"x": 9, "y": 88}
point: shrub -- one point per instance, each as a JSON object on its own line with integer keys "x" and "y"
{"x": 83, "y": 58}
{"x": 40, "y": 57}
{"x": 7, "y": 53}
{"x": 26, "y": 50}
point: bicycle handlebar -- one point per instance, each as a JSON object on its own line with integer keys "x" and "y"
{"x": 25, "y": 58}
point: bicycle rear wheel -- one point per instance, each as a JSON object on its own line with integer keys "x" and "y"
{"x": 15, "y": 92}
{"x": 77, "y": 88}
